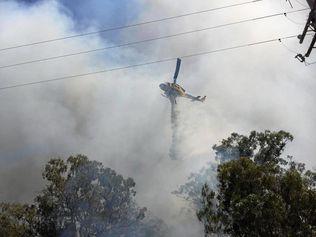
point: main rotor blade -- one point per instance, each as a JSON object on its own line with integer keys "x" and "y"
{"x": 177, "y": 70}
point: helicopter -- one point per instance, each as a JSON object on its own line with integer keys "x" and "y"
{"x": 310, "y": 26}
{"x": 174, "y": 90}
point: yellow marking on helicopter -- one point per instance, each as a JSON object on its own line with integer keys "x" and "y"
{"x": 173, "y": 90}
{"x": 177, "y": 88}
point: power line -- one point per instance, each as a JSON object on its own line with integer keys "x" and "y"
{"x": 129, "y": 25}
{"x": 147, "y": 63}
{"x": 151, "y": 39}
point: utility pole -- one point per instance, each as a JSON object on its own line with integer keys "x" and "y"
{"x": 310, "y": 26}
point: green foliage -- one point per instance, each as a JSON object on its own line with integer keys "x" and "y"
{"x": 259, "y": 192}
{"x": 81, "y": 198}
{"x": 17, "y": 220}
{"x": 82, "y": 194}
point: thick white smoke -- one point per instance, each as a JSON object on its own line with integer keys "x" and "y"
{"x": 121, "y": 119}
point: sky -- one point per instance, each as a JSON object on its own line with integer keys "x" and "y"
{"x": 120, "y": 118}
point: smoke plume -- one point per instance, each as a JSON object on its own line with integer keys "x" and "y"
{"x": 120, "y": 118}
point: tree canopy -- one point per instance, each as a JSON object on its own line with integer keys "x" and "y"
{"x": 259, "y": 192}
{"x": 81, "y": 198}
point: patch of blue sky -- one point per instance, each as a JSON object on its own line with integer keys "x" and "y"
{"x": 102, "y": 14}
{"x": 98, "y": 13}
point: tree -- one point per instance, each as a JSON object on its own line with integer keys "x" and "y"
{"x": 17, "y": 220}
{"x": 81, "y": 198}
{"x": 259, "y": 192}
{"x": 191, "y": 190}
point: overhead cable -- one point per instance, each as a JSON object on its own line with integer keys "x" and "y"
{"x": 127, "y": 26}
{"x": 149, "y": 40}
{"x": 145, "y": 63}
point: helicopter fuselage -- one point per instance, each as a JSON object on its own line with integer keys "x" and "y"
{"x": 172, "y": 89}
